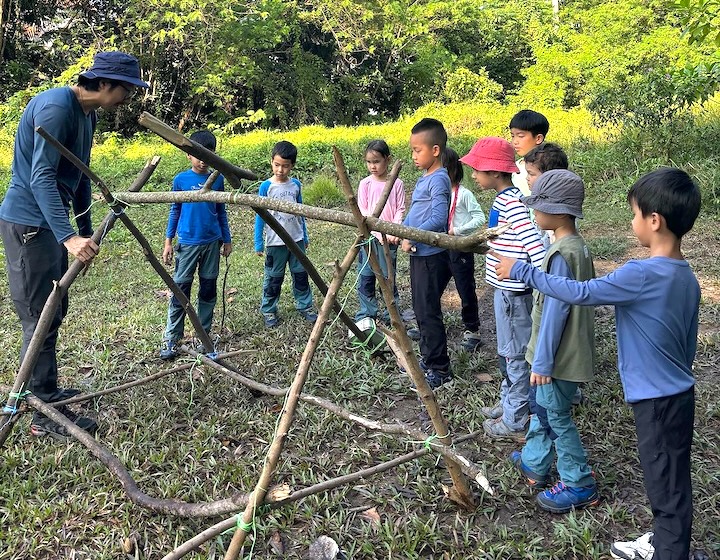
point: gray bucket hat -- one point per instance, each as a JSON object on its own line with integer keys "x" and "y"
{"x": 558, "y": 191}
{"x": 116, "y": 65}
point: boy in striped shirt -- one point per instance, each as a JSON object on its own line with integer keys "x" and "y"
{"x": 493, "y": 162}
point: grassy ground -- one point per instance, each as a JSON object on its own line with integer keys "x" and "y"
{"x": 199, "y": 436}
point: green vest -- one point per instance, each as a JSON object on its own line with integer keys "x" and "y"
{"x": 575, "y": 357}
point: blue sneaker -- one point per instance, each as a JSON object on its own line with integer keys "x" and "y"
{"x": 532, "y": 479}
{"x": 437, "y": 378}
{"x": 271, "y": 320}
{"x": 169, "y": 350}
{"x": 309, "y": 315}
{"x": 423, "y": 367}
{"x": 413, "y": 334}
{"x": 562, "y": 499}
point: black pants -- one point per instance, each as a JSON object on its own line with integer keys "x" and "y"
{"x": 665, "y": 430}
{"x": 462, "y": 267}
{"x": 34, "y": 259}
{"x": 429, "y": 276}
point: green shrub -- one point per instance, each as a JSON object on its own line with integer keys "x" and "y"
{"x": 465, "y": 85}
{"x": 323, "y": 191}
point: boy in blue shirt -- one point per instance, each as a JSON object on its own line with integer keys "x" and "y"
{"x": 430, "y": 266}
{"x": 201, "y": 227}
{"x": 277, "y": 255}
{"x": 656, "y": 311}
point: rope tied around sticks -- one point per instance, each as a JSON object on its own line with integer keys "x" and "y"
{"x": 19, "y": 397}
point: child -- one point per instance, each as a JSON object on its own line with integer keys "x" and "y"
{"x": 656, "y": 312}
{"x": 493, "y": 163}
{"x": 430, "y": 266}
{"x": 561, "y": 351}
{"x": 277, "y": 255}
{"x": 201, "y": 227}
{"x": 546, "y": 157}
{"x": 528, "y": 129}
{"x": 465, "y": 216}
{"x": 377, "y": 159}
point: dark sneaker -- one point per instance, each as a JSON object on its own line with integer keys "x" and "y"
{"x": 169, "y": 350}
{"x": 42, "y": 425}
{"x": 639, "y": 549}
{"x": 493, "y": 412}
{"x": 562, "y": 499}
{"x": 436, "y": 378}
{"x": 497, "y": 429}
{"x": 471, "y": 341}
{"x": 532, "y": 479}
{"x": 408, "y": 315}
{"x": 309, "y": 315}
{"x": 271, "y": 320}
{"x": 423, "y": 367}
{"x": 200, "y": 349}
{"x": 414, "y": 334}
{"x": 64, "y": 393}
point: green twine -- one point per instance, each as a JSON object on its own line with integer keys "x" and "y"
{"x": 365, "y": 344}
{"x": 19, "y": 396}
{"x": 428, "y": 441}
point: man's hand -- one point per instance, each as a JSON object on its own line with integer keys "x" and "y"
{"x": 503, "y": 268}
{"x": 226, "y": 249}
{"x": 167, "y": 255}
{"x": 82, "y": 248}
{"x": 537, "y": 379}
{"x": 407, "y": 246}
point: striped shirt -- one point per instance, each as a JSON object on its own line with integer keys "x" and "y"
{"x": 521, "y": 241}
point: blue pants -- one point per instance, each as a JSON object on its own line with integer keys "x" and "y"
{"x": 366, "y": 279}
{"x": 513, "y": 326}
{"x": 558, "y": 438}
{"x": 276, "y": 259}
{"x": 206, "y": 259}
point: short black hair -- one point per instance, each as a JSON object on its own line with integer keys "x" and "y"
{"x": 205, "y": 138}
{"x": 670, "y": 192}
{"x": 285, "y": 150}
{"x": 93, "y": 84}
{"x": 379, "y": 146}
{"x": 436, "y": 130}
{"x": 451, "y": 162}
{"x": 547, "y": 156}
{"x": 532, "y": 121}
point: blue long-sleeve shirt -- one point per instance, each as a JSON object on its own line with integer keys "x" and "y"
{"x": 43, "y": 184}
{"x": 291, "y": 191}
{"x": 552, "y": 322}
{"x": 656, "y": 312}
{"x": 197, "y": 223}
{"x": 429, "y": 209}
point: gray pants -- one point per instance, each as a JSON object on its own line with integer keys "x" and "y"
{"x": 34, "y": 259}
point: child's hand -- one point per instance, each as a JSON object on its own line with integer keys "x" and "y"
{"x": 167, "y": 254}
{"x": 503, "y": 268}
{"x": 537, "y": 379}
{"x": 393, "y": 239}
{"x": 407, "y": 246}
{"x": 226, "y": 249}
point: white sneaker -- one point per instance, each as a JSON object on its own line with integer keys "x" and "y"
{"x": 639, "y": 549}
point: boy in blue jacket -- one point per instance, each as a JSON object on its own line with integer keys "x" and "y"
{"x": 203, "y": 234}
{"x": 656, "y": 311}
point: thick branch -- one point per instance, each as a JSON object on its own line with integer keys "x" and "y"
{"x": 471, "y": 243}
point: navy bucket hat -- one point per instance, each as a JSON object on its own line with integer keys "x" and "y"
{"x": 116, "y": 65}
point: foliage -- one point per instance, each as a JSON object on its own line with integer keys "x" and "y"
{"x": 466, "y": 85}
{"x": 323, "y": 191}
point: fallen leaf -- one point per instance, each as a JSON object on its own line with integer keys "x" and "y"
{"x": 85, "y": 369}
{"x": 372, "y": 516}
{"x": 231, "y": 291}
{"x": 483, "y": 377}
{"x": 230, "y": 299}
{"x": 279, "y": 492}
{"x": 163, "y": 294}
{"x": 276, "y": 544}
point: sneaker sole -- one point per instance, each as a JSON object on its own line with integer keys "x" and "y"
{"x": 552, "y": 509}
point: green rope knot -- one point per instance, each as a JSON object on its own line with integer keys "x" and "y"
{"x": 428, "y": 441}
{"x": 247, "y": 527}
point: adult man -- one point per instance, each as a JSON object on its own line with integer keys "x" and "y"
{"x": 34, "y": 216}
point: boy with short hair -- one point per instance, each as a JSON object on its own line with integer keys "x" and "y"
{"x": 277, "y": 255}
{"x": 528, "y": 129}
{"x": 545, "y": 157}
{"x": 561, "y": 351}
{"x": 201, "y": 228}
{"x": 656, "y": 303}
{"x": 493, "y": 162}
{"x": 430, "y": 266}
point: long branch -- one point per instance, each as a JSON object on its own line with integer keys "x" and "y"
{"x": 470, "y": 243}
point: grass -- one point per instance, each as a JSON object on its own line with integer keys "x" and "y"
{"x": 199, "y": 436}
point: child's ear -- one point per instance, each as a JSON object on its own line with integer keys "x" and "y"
{"x": 657, "y": 222}
{"x": 436, "y": 150}
{"x": 539, "y": 139}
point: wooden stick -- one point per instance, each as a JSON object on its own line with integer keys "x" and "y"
{"x": 47, "y": 315}
{"x": 222, "y": 526}
{"x": 144, "y": 244}
{"x": 461, "y": 492}
{"x": 474, "y": 242}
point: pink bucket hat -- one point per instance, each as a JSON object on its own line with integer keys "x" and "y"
{"x": 491, "y": 154}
